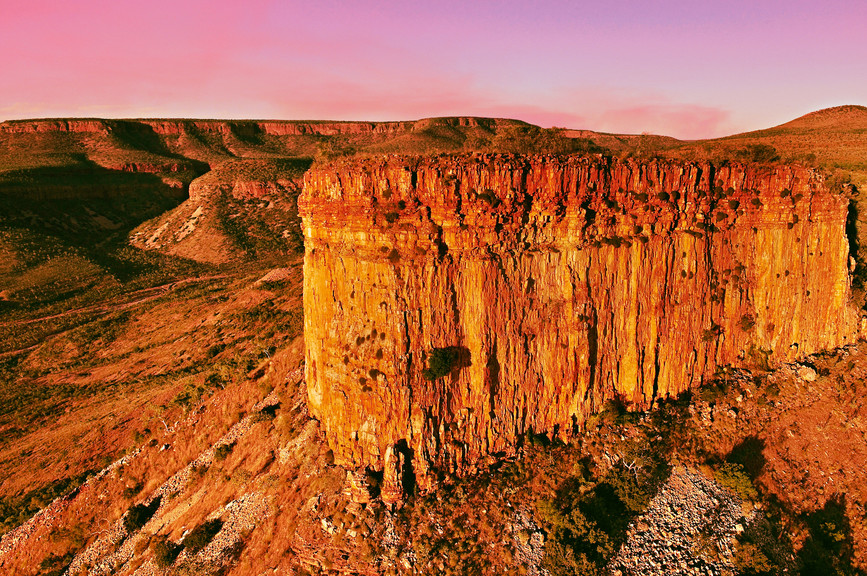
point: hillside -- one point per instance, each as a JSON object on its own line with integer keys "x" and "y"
{"x": 155, "y": 409}
{"x": 834, "y": 139}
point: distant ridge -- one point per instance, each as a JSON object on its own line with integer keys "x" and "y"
{"x": 842, "y": 117}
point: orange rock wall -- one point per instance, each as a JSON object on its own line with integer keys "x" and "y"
{"x": 563, "y": 282}
{"x": 174, "y": 127}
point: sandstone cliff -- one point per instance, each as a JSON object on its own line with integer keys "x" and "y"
{"x": 555, "y": 284}
{"x": 244, "y": 128}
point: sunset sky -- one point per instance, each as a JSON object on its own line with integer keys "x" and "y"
{"x": 685, "y": 68}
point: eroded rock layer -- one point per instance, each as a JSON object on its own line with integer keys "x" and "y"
{"x": 556, "y": 283}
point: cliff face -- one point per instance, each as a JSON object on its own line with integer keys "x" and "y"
{"x": 555, "y": 284}
{"x": 168, "y": 127}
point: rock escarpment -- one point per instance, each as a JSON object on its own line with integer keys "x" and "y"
{"x": 549, "y": 285}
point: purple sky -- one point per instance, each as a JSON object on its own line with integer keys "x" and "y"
{"x": 690, "y": 69}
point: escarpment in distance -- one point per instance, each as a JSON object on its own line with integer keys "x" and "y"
{"x": 455, "y": 303}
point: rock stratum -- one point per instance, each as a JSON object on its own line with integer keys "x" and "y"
{"x": 553, "y": 284}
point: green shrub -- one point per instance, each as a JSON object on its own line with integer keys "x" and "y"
{"x": 747, "y": 322}
{"x": 758, "y": 358}
{"x": 734, "y": 477}
{"x": 828, "y": 549}
{"x": 222, "y": 451}
{"x": 16, "y": 511}
{"x": 138, "y": 515}
{"x": 615, "y": 412}
{"x": 131, "y": 491}
{"x": 586, "y": 526}
{"x": 54, "y": 565}
{"x": 440, "y": 362}
{"x": 711, "y": 333}
{"x": 165, "y": 551}
{"x": 713, "y": 392}
{"x": 202, "y": 535}
{"x": 749, "y": 559}
{"x": 764, "y": 153}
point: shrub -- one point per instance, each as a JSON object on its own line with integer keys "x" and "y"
{"x": 749, "y": 559}
{"x": 138, "y": 515}
{"x": 202, "y": 535}
{"x": 131, "y": 491}
{"x": 712, "y": 392}
{"x": 165, "y": 551}
{"x": 758, "y": 153}
{"x": 55, "y": 565}
{"x": 440, "y": 362}
{"x": 734, "y": 477}
{"x": 587, "y": 525}
{"x": 222, "y": 451}
{"x": 747, "y": 323}
{"x": 711, "y": 333}
{"x": 615, "y": 412}
{"x": 758, "y": 358}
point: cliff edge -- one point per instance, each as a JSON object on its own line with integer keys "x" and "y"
{"x": 454, "y": 304}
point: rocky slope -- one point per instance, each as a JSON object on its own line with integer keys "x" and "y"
{"x": 453, "y": 304}
{"x": 241, "y": 209}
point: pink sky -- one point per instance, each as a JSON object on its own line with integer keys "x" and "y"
{"x": 685, "y": 68}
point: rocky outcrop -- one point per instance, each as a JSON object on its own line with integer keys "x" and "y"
{"x": 92, "y": 125}
{"x": 243, "y": 128}
{"x": 548, "y": 285}
{"x": 228, "y": 209}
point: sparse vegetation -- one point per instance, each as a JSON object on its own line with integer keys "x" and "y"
{"x": 139, "y": 514}
{"x": 440, "y": 362}
{"x": 165, "y": 551}
{"x": 14, "y": 511}
{"x": 732, "y": 476}
{"x": 747, "y": 322}
{"x": 202, "y": 535}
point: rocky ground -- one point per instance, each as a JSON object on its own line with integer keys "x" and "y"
{"x": 285, "y": 508}
{"x": 689, "y": 530}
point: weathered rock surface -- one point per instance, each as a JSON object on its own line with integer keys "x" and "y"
{"x": 559, "y": 283}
